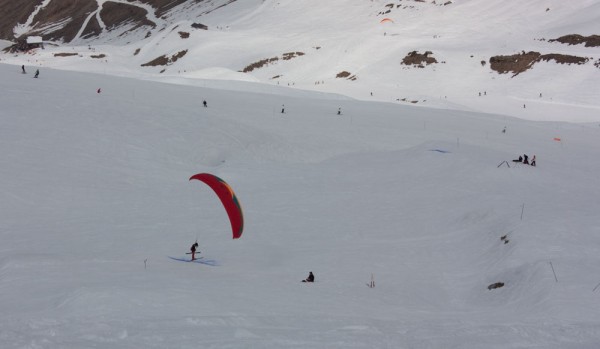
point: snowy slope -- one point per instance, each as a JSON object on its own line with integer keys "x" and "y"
{"x": 346, "y": 36}
{"x": 96, "y": 196}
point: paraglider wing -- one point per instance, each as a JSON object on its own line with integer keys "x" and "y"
{"x": 228, "y": 199}
{"x": 386, "y": 20}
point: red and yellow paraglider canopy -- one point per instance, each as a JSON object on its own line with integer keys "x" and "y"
{"x": 228, "y": 199}
{"x": 386, "y": 20}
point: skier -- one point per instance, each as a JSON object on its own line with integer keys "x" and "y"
{"x": 525, "y": 161}
{"x": 193, "y": 249}
{"x": 339, "y": 111}
{"x": 204, "y": 103}
{"x": 23, "y": 69}
{"x": 533, "y": 161}
{"x": 283, "y": 109}
{"x": 310, "y": 278}
{"x": 37, "y": 73}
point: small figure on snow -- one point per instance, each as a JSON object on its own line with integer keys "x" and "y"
{"x": 339, "y": 111}
{"x": 193, "y": 249}
{"x": 23, "y": 69}
{"x": 283, "y": 109}
{"x": 533, "y": 161}
{"x": 99, "y": 90}
{"x": 520, "y": 159}
{"x": 525, "y": 159}
{"x": 310, "y": 278}
{"x": 504, "y": 129}
{"x": 204, "y": 103}
{"x": 37, "y": 73}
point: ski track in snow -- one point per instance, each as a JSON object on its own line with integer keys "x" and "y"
{"x": 21, "y": 29}
{"x": 148, "y": 8}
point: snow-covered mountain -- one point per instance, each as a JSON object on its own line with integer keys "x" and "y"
{"x": 412, "y": 185}
{"x": 536, "y": 60}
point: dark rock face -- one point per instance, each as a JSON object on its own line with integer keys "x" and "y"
{"x": 73, "y": 13}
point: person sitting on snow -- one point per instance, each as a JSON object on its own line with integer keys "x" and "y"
{"x": 310, "y": 278}
{"x": 519, "y": 160}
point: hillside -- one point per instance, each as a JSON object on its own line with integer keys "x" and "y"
{"x": 537, "y": 61}
{"x": 96, "y": 197}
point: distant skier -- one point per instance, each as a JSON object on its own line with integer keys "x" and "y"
{"x": 99, "y": 90}
{"x": 519, "y": 160}
{"x": 193, "y": 249}
{"x": 37, "y": 73}
{"x": 283, "y": 109}
{"x": 310, "y": 278}
{"x": 525, "y": 159}
{"x": 504, "y": 129}
{"x": 23, "y": 69}
{"x": 533, "y": 161}
{"x": 339, "y": 111}
{"x": 204, "y": 103}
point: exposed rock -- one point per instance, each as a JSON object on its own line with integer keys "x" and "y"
{"x": 263, "y": 62}
{"x": 64, "y": 54}
{"x": 496, "y": 285}
{"x": 521, "y": 62}
{"x": 576, "y": 39}
{"x": 346, "y": 75}
{"x": 259, "y": 64}
{"x": 418, "y": 59}
{"x": 165, "y": 60}
{"x": 515, "y": 64}
{"x": 289, "y": 55}
{"x": 117, "y": 14}
{"x": 199, "y": 26}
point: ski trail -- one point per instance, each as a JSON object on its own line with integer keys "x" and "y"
{"x": 87, "y": 20}
{"x": 149, "y": 15}
{"x": 21, "y": 29}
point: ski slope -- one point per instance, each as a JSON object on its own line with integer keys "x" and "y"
{"x": 343, "y": 36}
{"x": 96, "y": 197}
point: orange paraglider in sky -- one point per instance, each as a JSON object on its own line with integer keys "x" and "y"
{"x": 386, "y": 20}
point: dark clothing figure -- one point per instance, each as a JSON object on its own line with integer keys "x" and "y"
{"x": 310, "y": 278}
{"x": 519, "y": 160}
{"x": 504, "y": 129}
{"x": 339, "y": 111}
{"x": 283, "y": 109}
{"x": 37, "y": 73}
{"x": 533, "y": 161}
{"x": 23, "y": 69}
{"x": 204, "y": 103}
{"x": 525, "y": 159}
{"x": 193, "y": 249}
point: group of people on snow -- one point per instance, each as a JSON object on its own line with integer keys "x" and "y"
{"x": 37, "y": 71}
{"x": 525, "y": 160}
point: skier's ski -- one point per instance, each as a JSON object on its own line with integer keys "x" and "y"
{"x": 200, "y": 260}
